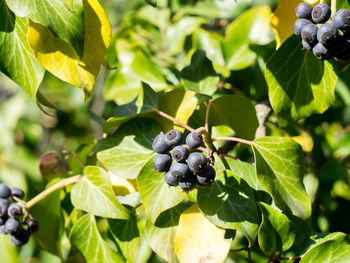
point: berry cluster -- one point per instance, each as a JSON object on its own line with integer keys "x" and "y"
{"x": 325, "y": 40}
{"x": 187, "y": 175}
{"x": 12, "y": 216}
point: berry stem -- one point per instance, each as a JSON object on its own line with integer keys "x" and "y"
{"x": 228, "y": 156}
{"x": 290, "y": 258}
{"x": 61, "y": 184}
{"x": 206, "y": 125}
{"x": 235, "y": 139}
{"x": 163, "y": 114}
{"x": 334, "y": 6}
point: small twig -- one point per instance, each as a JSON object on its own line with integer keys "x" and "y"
{"x": 61, "y": 184}
{"x": 163, "y": 114}
{"x": 235, "y": 139}
{"x": 334, "y": 6}
{"x": 203, "y": 149}
{"x": 228, "y": 156}
{"x": 206, "y": 125}
{"x": 249, "y": 255}
{"x": 290, "y": 258}
{"x": 78, "y": 160}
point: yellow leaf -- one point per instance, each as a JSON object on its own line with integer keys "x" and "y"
{"x": 60, "y": 58}
{"x": 198, "y": 240}
{"x": 283, "y": 18}
{"x": 305, "y": 140}
{"x": 122, "y": 186}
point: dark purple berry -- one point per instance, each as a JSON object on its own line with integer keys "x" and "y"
{"x": 12, "y": 226}
{"x": 206, "y": 177}
{"x": 4, "y": 204}
{"x": 17, "y": 192}
{"x": 179, "y": 153}
{"x": 303, "y": 10}
{"x": 21, "y": 238}
{"x": 197, "y": 162}
{"x": 14, "y": 210}
{"x": 5, "y": 191}
{"x": 173, "y": 138}
{"x": 194, "y": 140}
{"x": 170, "y": 179}
{"x": 327, "y": 34}
{"x": 321, "y": 13}
{"x": 299, "y": 24}
{"x": 321, "y": 52}
{"x": 188, "y": 183}
{"x": 32, "y": 225}
{"x": 306, "y": 46}
{"x": 179, "y": 170}
{"x": 161, "y": 162}
{"x": 341, "y": 19}
{"x": 159, "y": 145}
{"x": 341, "y": 48}
{"x": 309, "y": 34}
{"x": 3, "y": 229}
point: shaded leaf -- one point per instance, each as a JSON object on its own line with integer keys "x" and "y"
{"x": 155, "y": 193}
{"x": 126, "y": 151}
{"x": 279, "y": 167}
{"x": 94, "y": 194}
{"x": 315, "y": 239}
{"x": 16, "y": 59}
{"x": 198, "y": 240}
{"x": 86, "y": 238}
{"x": 299, "y": 84}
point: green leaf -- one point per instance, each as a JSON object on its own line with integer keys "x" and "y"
{"x": 8, "y": 251}
{"x": 279, "y": 167}
{"x": 16, "y": 59}
{"x": 252, "y": 27}
{"x": 53, "y": 14}
{"x": 94, "y": 194}
{"x": 126, "y": 234}
{"x": 229, "y": 203}
{"x": 146, "y": 101}
{"x": 315, "y": 239}
{"x": 86, "y": 238}
{"x": 161, "y": 235}
{"x": 127, "y": 150}
{"x": 156, "y": 195}
{"x": 48, "y": 214}
{"x": 299, "y": 84}
{"x": 275, "y": 232}
{"x": 330, "y": 251}
{"x": 343, "y": 4}
{"x": 200, "y": 75}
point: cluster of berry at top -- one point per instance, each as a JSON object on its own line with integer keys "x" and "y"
{"x": 12, "y": 219}
{"x": 187, "y": 175}
{"x": 327, "y": 40}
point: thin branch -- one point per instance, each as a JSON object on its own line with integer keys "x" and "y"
{"x": 61, "y": 184}
{"x": 163, "y": 114}
{"x": 203, "y": 149}
{"x": 206, "y": 125}
{"x": 290, "y": 258}
{"x": 249, "y": 255}
{"x": 235, "y": 139}
{"x": 228, "y": 156}
{"x": 78, "y": 160}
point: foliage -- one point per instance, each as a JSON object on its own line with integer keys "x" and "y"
{"x": 214, "y": 66}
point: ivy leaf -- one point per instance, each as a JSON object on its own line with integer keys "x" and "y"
{"x": 252, "y": 27}
{"x": 275, "y": 232}
{"x": 145, "y": 102}
{"x": 66, "y": 25}
{"x": 315, "y": 239}
{"x": 329, "y": 251}
{"x": 279, "y": 167}
{"x": 60, "y": 58}
{"x": 200, "y": 75}
{"x": 86, "y": 238}
{"x": 94, "y": 194}
{"x": 161, "y": 234}
{"x": 198, "y": 239}
{"x": 126, "y": 234}
{"x": 299, "y": 84}
{"x": 343, "y": 4}
{"x": 125, "y": 152}
{"x": 229, "y": 203}
{"x": 16, "y": 59}
{"x": 9, "y": 253}
{"x": 156, "y": 195}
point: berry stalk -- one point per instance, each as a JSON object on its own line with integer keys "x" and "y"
{"x": 163, "y": 114}
{"x": 334, "y": 6}
{"x": 235, "y": 139}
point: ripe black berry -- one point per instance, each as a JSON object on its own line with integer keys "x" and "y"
{"x": 179, "y": 153}
{"x": 194, "y": 140}
{"x": 197, "y": 162}
{"x": 207, "y": 176}
{"x": 327, "y": 34}
{"x": 12, "y": 226}
{"x": 3, "y": 206}
{"x": 32, "y": 225}
{"x": 5, "y": 191}
{"x": 2, "y": 229}
{"x": 299, "y": 24}
{"x": 174, "y": 138}
{"x": 161, "y": 162}
{"x": 170, "y": 180}
{"x": 17, "y": 192}
{"x": 188, "y": 183}
{"x": 309, "y": 34}
{"x": 303, "y": 10}
{"x": 179, "y": 170}
{"x": 321, "y": 13}
{"x": 159, "y": 145}
{"x": 321, "y": 52}
{"x": 21, "y": 238}
{"x": 341, "y": 48}
{"x": 14, "y": 210}
{"x": 306, "y": 46}
{"x": 341, "y": 19}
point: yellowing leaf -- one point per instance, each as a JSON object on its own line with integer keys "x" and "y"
{"x": 198, "y": 240}
{"x": 60, "y": 58}
{"x": 283, "y": 18}
{"x": 305, "y": 140}
{"x": 122, "y": 186}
